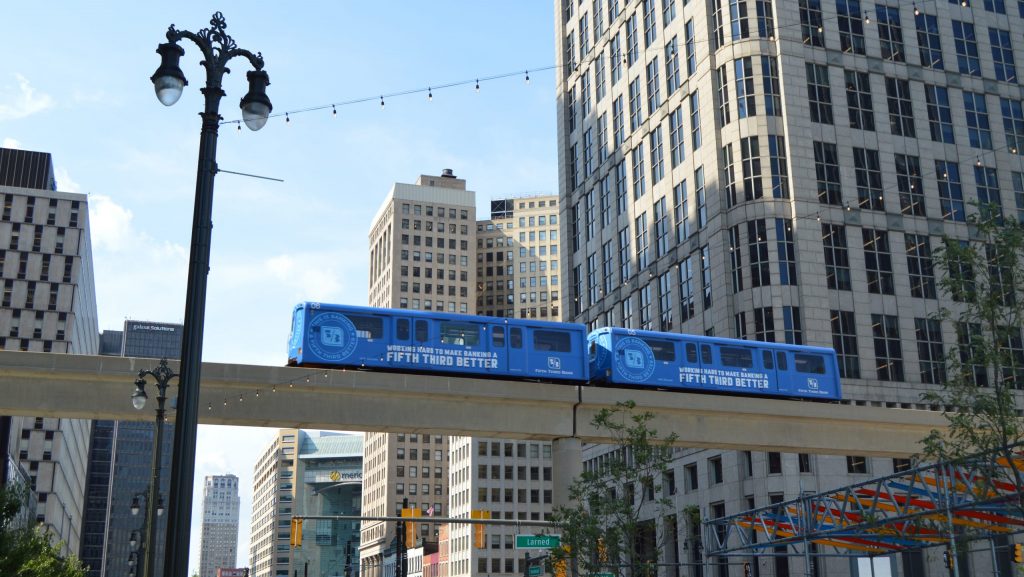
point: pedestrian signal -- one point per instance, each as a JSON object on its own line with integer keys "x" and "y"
{"x": 1018, "y": 553}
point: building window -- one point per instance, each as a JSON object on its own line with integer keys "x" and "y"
{"x": 764, "y": 325}
{"x": 792, "y": 326}
{"x": 695, "y": 120}
{"x": 890, "y": 33}
{"x": 856, "y": 464}
{"x": 657, "y": 156}
{"x": 653, "y": 86}
{"x": 919, "y": 266}
{"x": 837, "y": 260}
{"x": 888, "y": 352}
{"x": 1013, "y": 125}
{"x": 686, "y": 294}
{"x": 858, "y": 100}
{"x": 878, "y": 261}
{"x": 618, "y": 123}
{"x": 770, "y": 84}
{"x": 632, "y": 42}
{"x": 940, "y": 119}
{"x": 1002, "y": 55}
{"x": 778, "y": 166}
{"x": 639, "y": 178}
{"x": 636, "y": 111}
{"x": 705, "y": 274}
{"x": 624, "y": 255}
{"x": 908, "y": 181}
{"x": 987, "y": 183}
{"x": 665, "y": 301}
{"x": 929, "y": 350}
{"x": 729, "y": 175}
{"x": 951, "y": 196}
{"x": 750, "y": 157}
{"x": 746, "y": 98}
{"x": 977, "y": 120}
{"x": 826, "y": 168}
{"x": 715, "y": 473}
{"x": 672, "y": 76}
{"x": 615, "y": 57}
{"x": 642, "y": 241}
{"x": 966, "y": 335}
{"x": 698, "y": 192}
{"x": 645, "y": 308}
{"x": 819, "y": 93}
{"x": 757, "y": 245}
{"x": 691, "y": 49}
{"x": 736, "y": 259}
{"x": 676, "y": 136}
{"x": 928, "y": 41}
{"x": 868, "y": 172}
{"x": 661, "y": 228}
{"x": 723, "y": 95}
{"x": 966, "y": 48}
{"x": 901, "y": 113}
{"x": 844, "y": 341}
{"x": 811, "y": 25}
{"x": 851, "y": 26}
{"x": 787, "y": 251}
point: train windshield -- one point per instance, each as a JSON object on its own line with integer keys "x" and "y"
{"x": 466, "y": 334}
{"x": 805, "y": 363}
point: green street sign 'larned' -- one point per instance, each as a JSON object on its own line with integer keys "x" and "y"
{"x": 538, "y": 541}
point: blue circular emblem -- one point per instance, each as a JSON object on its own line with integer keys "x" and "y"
{"x": 331, "y": 336}
{"x": 634, "y": 360}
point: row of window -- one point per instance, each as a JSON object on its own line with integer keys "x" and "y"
{"x": 512, "y": 473}
{"x": 428, "y": 226}
{"x": 33, "y": 295}
{"x": 29, "y": 216}
{"x": 420, "y": 210}
{"x": 49, "y": 266}
{"x": 55, "y": 242}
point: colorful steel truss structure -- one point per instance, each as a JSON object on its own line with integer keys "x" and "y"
{"x": 938, "y": 504}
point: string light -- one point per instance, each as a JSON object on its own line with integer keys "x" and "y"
{"x": 334, "y": 111}
{"x": 225, "y": 402}
{"x": 286, "y": 118}
{"x": 257, "y": 393}
{"x": 273, "y": 389}
{"x": 382, "y": 101}
{"x": 917, "y": 11}
{"x": 527, "y": 76}
{"x": 478, "y": 85}
{"x": 430, "y": 94}
{"x": 867, "y": 18}
{"x": 209, "y": 406}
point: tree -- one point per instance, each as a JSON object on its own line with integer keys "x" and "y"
{"x": 610, "y": 524}
{"x": 984, "y": 279}
{"x": 27, "y": 551}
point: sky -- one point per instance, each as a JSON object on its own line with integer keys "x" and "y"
{"x": 74, "y": 81}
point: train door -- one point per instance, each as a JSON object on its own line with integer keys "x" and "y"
{"x": 517, "y": 357}
{"x": 689, "y": 366}
{"x": 772, "y": 362}
{"x": 499, "y": 347}
{"x": 421, "y": 333}
{"x": 399, "y": 353}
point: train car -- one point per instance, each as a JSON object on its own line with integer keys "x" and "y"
{"x": 327, "y": 335}
{"x": 625, "y": 357}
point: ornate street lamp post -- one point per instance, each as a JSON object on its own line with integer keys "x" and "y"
{"x": 218, "y": 48}
{"x": 154, "y": 502}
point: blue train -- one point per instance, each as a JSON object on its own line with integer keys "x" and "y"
{"x": 325, "y": 335}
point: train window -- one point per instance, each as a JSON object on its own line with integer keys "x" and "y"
{"x": 402, "y": 329}
{"x": 663, "y": 350}
{"x": 467, "y": 334}
{"x": 422, "y": 332}
{"x": 498, "y": 336}
{"x": 767, "y": 357}
{"x": 705, "y": 354}
{"x": 736, "y": 357}
{"x": 515, "y": 336}
{"x": 593, "y": 350}
{"x": 691, "y": 353}
{"x": 781, "y": 358}
{"x": 368, "y": 327}
{"x": 552, "y": 341}
{"x": 805, "y": 363}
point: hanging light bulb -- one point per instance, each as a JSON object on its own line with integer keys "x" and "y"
{"x": 273, "y": 389}
{"x": 225, "y": 402}
{"x": 527, "y": 76}
{"x": 334, "y": 111}
{"x": 382, "y": 101}
{"x": 478, "y": 85}
{"x": 430, "y": 94}
{"x": 241, "y": 399}
{"x": 209, "y": 407}
{"x": 867, "y": 18}
{"x": 917, "y": 11}
{"x": 257, "y": 393}
{"x": 287, "y": 119}
{"x": 239, "y": 126}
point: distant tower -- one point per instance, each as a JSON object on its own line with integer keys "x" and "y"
{"x": 220, "y": 524}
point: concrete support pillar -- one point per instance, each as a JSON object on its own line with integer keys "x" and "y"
{"x": 566, "y": 465}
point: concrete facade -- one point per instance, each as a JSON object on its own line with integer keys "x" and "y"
{"x": 783, "y": 171}
{"x": 48, "y": 304}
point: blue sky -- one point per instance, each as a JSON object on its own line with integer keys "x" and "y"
{"x": 74, "y": 81}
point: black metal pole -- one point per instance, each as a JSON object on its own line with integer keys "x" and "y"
{"x": 149, "y": 568}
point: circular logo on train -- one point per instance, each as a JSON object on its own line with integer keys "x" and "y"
{"x": 634, "y": 360}
{"x": 331, "y": 336}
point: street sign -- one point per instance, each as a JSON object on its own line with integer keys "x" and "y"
{"x": 535, "y": 570}
{"x": 538, "y": 541}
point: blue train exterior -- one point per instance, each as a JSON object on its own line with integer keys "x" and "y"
{"x": 625, "y": 357}
{"x": 407, "y": 340}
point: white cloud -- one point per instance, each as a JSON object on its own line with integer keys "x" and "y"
{"x": 22, "y": 102}
{"x": 64, "y": 181}
{"x": 12, "y": 144}
{"x": 110, "y": 223}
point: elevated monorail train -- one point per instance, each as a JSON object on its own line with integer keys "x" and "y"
{"x": 325, "y": 335}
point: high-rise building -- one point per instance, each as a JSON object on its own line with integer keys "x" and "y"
{"x": 48, "y": 304}
{"x": 120, "y": 465}
{"x": 517, "y": 259}
{"x": 300, "y": 474}
{"x": 219, "y": 539}
{"x": 422, "y": 250}
{"x": 783, "y": 172}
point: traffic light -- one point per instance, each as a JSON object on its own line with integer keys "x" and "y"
{"x": 479, "y": 529}
{"x": 1018, "y": 553}
{"x": 410, "y": 527}
{"x": 602, "y": 550}
{"x": 296, "y": 533}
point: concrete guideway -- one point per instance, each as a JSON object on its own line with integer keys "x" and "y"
{"x": 99, "y": 387}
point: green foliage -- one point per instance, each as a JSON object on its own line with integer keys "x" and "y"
{"x": 984, "y": 278}
{"x": 603, "y": 528}
{"x": 26, "y": 551}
